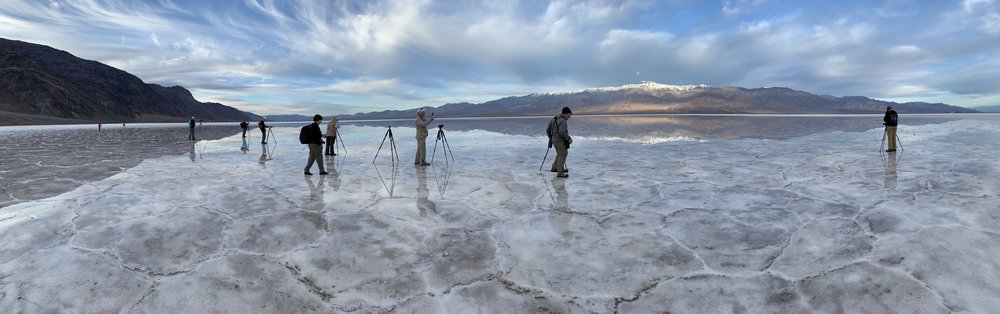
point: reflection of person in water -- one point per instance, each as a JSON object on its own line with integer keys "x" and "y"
{"x": 890, "y": 172}
{"x": 245, "y": 148}
{"x": 334, "y": 177}
{"x": 315, "y": 200}
{"x": 423, "y": 203}
{"x": 192, "y": 152}
{"x": 263, "y": 156}
{"x": 559, "y": 216}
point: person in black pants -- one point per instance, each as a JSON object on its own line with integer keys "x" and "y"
{"x": 314, "y": 138}
{"x": 190, "y": 129}
{"x": 245, "y": 125}
{"x": 263, "y": 130}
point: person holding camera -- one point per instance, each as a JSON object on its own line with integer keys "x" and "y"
{"x": 313, "y": 136}
{"x": 421, "y": 125}
{"x": 331, "y": 136}
{"x": 890, "y": 120}
{"x": 191, "y": 129}
{"x": 263, "y": 130}
{"x": 560, "y": 139}
{"x": 244, "y": 125}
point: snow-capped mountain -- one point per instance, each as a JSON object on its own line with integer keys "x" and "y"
{"x": 651, "y": 97}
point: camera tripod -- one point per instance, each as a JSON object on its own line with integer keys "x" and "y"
{"x": 393, "y": 154}
{"x": 267, "y": 134}
{"x": 341, "y": 140}
{"x": 445, "y": 147}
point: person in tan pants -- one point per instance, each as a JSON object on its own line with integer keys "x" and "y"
{"x": 890, "y": 120}
{"x": 421, "y": 124}
{"x": 314, "y": 138}
{"x": 559, "y": 138}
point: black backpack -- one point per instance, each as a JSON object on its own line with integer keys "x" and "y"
{"x": 303, "y": 134}
{"x": 893, "y": 118}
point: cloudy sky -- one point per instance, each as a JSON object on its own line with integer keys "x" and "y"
{"x": 302, "y": 56}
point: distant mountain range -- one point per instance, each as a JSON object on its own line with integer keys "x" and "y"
{"x": 654, "y": 98}
{"x": 40, "y": 84}
{"x": 995, "y": 108}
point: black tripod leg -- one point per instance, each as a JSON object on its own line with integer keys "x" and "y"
{"x": 380, "y": 147}
{"x": 448, "y": 146}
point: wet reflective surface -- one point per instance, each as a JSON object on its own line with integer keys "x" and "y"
{"x": 820, "y": 221}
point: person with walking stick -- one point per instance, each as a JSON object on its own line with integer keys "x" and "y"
{"x": 559, "y": 138}
{"x": 890, "y": 120}
{"x": 421, "y": 125}
{"x": 331, "y": 136}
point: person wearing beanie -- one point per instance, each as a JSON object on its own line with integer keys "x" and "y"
{"x": 191, "y": 129}
{"x": 559, "y": 138}
{"x": 890, "y": 120}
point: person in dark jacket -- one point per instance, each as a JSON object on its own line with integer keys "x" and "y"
{"x": 890, "y": 120}
{"x": 559, "y": 138}
{"x": 314, "y": 138}
{"x": 191, "y": 129}
{"x": 263, "y": 130}
{"x": 244, "y": 125}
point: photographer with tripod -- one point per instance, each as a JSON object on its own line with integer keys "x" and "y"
{"x": 421, "y": 125}
{"x": 331, "y": 136}
{"x": 263, "y": 130}
{"x": 890, "y": 120}
{"x": 559, "y": 138}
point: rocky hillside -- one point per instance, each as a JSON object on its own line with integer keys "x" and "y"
{"x": 40, "y": 81}
{"x": 649, "y": 97}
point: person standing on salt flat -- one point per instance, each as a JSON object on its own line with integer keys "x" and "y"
{"x": 421, "y": 125}
{"x": 890, "y": 120}
{"x": 559, "y": 138}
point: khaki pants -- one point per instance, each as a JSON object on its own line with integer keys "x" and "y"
{"x": 315, "y": 155}
{"x": 421, "y": 151}
{"x": 190, "y": 133}
{"x": 891, "y": 134}
{"x": 559, "y": 165}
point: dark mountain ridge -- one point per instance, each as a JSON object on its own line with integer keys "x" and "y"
{"x": 654, "y": 98}
{"x": 41, "y": 81}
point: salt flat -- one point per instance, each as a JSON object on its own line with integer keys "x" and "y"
{"x": 678, "y": 214}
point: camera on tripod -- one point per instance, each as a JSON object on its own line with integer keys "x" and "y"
{"x": 440, "y": 126}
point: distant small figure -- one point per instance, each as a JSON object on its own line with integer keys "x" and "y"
{"x": 123, "y": 124}
{"x": 421, "y": 125}
{"x": 191, "y": 129}
{"x": 244, "y": 125}
{"x": 331, "y": 135}
{"x": 263, "y": 130}
{"x": 890, "y": 120}
{"x": 312, "y": 135}
{"x": 98, "y": 125}
{"x": 559, "y": 138}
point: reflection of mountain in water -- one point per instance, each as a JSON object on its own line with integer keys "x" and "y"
{"x": 660, "y": 128}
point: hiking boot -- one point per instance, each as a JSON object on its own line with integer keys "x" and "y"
{"x": 553, "y": 170}
{"x": 562, "y": 175}
{"x": 323, "y": 173}
{"x": 425, "y": 164}
{"x": 308, "y": 173}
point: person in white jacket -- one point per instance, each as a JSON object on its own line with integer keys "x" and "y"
{"x": 331, "y": 135}
{"x": 421, "y": 125}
